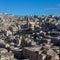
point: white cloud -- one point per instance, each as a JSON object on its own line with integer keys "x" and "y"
{"x": 51, "y": 8}
{"x": 58, "y": 4}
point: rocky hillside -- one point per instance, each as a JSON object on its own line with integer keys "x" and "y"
{"x": 7, "y": 20}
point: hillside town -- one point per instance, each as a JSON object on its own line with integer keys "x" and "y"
{"x": 29, "y": 37}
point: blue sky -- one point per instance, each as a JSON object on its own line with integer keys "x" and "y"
{"x": 30, "y": 7}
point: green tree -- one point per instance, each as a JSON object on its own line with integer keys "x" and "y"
{"x": 23, "y": 42}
